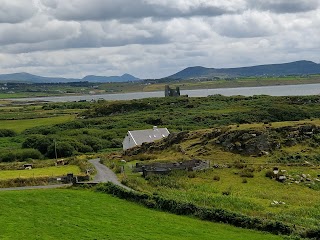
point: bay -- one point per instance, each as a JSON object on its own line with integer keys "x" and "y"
{"x": 283, "y": 90}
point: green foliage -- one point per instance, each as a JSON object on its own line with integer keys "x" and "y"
{"x": 163, "y": 181}
{"x": 63, "y": 149}
{"x": 7, "y": 133}
{"x": 20, "y": 155}
{"x": 104, "y": 124}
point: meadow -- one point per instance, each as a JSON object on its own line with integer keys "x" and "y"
{"x": 21, "y": 125}
{"x": 83, "y": 214}
{"x": 40, "y": 172}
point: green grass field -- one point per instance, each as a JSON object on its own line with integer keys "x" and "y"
{"x": 20, "y": 125}
{"x": 39, "y": 172}
{"x": 80, "y": 214}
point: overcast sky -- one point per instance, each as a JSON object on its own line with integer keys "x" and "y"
{"x": 153, "y": 38}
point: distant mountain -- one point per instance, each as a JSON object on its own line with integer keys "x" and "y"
{"x": 123, "y": 78}
{"x": 27, "y": 77}
{"x": 292, "y": 68}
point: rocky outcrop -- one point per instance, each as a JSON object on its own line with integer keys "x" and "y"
{"x": 248, "y": 142}
{"x": 262, "y": 142}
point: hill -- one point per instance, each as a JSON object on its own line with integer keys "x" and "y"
{"x": 123, "y": 78}
{"x": 30, "y": 78}
{"x": 292, "y": 68}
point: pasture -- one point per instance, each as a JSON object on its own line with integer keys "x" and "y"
{"x": 83, "y": 214}
{"x": 23, "y": 124}
{"x": 39, "y": 172}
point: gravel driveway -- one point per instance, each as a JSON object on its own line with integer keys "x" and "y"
{"x": 104, "y": 174}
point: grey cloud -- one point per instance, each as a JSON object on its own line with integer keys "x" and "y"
{"x": 81, "y": 10}
{"x": 38, "y": 30}
{"x": 153, "y": 38}
{"x": 284, "y": 6}
{"x": 13, "y": 11}
{"x": 88, "y": 35}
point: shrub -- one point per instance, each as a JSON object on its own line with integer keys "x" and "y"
{"x": 269, "y": 174}
{"x": 38, "y": 142}
{"x": 244, "y": 180}
{"x": 30, "y": 154}
{"x": 20, "y": 155}
{"x": 246, "y": 173}
{"x": 7, "y": 133}
{"x": 191, "y": 174}
{"x": 63, "y": 149}
{"x": 216, "y": 178}
{"x": 227, "y": 192}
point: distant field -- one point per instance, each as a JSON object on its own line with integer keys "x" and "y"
{"x": 39, "y": 172}
{"x": 20, "y": 125}
{"x": 78, "y": 214}
{"x": 242, "y": 82}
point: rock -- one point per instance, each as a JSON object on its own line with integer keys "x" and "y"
{"x": 282, "y": 178}
{"x": 304, "y": 175}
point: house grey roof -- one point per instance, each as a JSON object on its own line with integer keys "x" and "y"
{"x": 149, "y": 135}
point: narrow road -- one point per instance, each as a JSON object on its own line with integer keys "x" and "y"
{"x": 104, "y": 174}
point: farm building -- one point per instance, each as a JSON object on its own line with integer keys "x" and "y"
{"x": 137, "y": 137}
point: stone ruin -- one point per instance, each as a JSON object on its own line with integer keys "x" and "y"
{"x": 169, "y": 92}
{"x": 166, "y": 168}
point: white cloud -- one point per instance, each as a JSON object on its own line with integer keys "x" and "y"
{"x": 249, "y": 24}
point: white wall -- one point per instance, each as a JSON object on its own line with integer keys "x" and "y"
{"x": 128, "y": 143}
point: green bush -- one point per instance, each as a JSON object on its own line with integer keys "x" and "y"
{"x": 63, "y": 149}
{"x": 7, "y": 133}
{"x": 20, "y": 155}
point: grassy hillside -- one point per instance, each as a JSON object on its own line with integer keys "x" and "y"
{"x": 70, "y": 214}
{"x": 238, "y": 177}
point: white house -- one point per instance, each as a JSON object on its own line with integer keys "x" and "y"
{"x": 137, "y": 137}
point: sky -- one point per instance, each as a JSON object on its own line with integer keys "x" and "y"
{"x": 153, "y": 38}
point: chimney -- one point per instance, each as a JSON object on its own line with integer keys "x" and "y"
{"x": 155, "y": 128}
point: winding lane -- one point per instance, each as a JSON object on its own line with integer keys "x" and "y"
{"x": 104, "y": 174}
